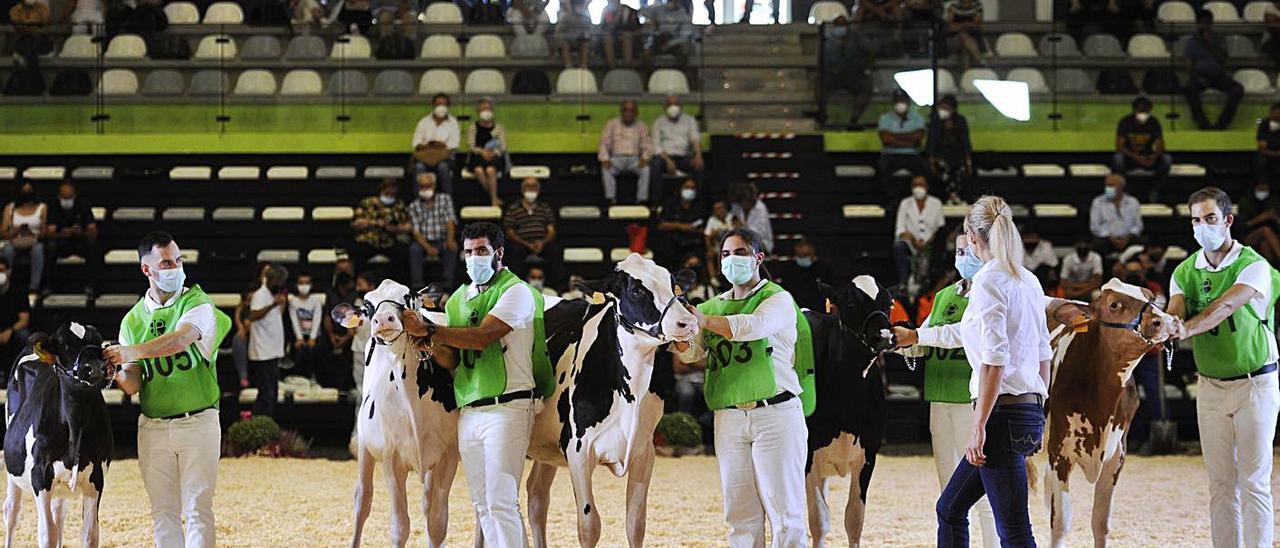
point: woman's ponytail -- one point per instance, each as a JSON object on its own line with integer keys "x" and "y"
{"x": 991, "y": 219}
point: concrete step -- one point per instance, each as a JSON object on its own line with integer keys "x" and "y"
{"x": 759, "y": 61}
{"x": 751, "y": 49}
{"x": 754, "y": 85}
{"x": 776, "y": 110}
{"x": 767, "y": 97}
{"x": 761, "y": 124}
{"x": 714, "y": 74}
{"x": 749, "y": 39}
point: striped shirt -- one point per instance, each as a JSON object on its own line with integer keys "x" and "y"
{"x": 431, "y": 219}
{"x": 496, "y": 132}
{"x": 529, "y": 222}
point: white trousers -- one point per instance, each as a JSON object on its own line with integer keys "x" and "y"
{"x": 1237, "y": 426}
{"x": 762, "y": 453}
{"x": 179, "y": 463}
{"x": 493, "y": 441}
{"x": 950, "y": 425}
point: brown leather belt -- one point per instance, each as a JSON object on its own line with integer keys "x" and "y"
{"x": 1011, "y": 399}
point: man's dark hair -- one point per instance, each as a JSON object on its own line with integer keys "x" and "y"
{"x": 439, "y": 96}
{"x": 387, "y": 183}
{"x": 153, "y": 240}
{"x": 899, "y": 95}
{"x": 949, "y": 100}
{"x": 753, "y": 239}
{"x": 1141, "y": 102}
{"x": 342, "y": 278}
{"x": 1204, "y": 16}
{"x": 484, "y": 229}
{"x": 372, "y": 276}
{"x": 1213, "y": 193}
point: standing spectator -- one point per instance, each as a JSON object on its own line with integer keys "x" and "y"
{"x": 901, "y": 133}
{"x": 487, "y": 159}
{"x": 435, "y": 226}
{"x": 240, "y": 336}
{"x": 1081, "y": 272}
{"x": 336, "y": 345}
{"x": 677, "y": 144}
{"x": 574, "y": 32}
{"x": 849, "y": 56}
{"x": 531, "y": 233}
{"x": 1260, "y": 213}
{"x": 964, "y": 25}
{"x": 625, "y": 148}
{"x": 434, "y": 141}
{"x": 267, "y": 308}
{"x": 681, "y": 224}
{"x": 379, "y": 222}
{"x": 750, "y": 5}
{"x": 670, "y": 31}
{"x": 528, "y": 18}
{"x": 1267, "y": 161}
{"x": 700, "y": 290}
{"x": 22, "y": 228}
{"x": 1037, "y": 252}
{"x": 802, "y": 276}
{"x": 1206, "y": 62}
{"x": 619, "y": 23}
{"x": 751, "y": 212}
{"x": 1115, "y": 218}
{"x": 1140, "y": 145}
{"x": 305, "y": 309}
{"x": 27, "y": 17}
{"x": 950, "y": 152}
{"x": 15, "y": 317}
{"x": 74, "y": 232}
{"x": 919, "y": 218}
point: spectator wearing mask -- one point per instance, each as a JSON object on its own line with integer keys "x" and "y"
{"x": 334, "y": 352}
{"x": 528, "y": 18}
{"x": 751, "y": 213}
{"x": 530, "y": 225}
{"x": 1260, "y": 219}
{"x": 22, "y": 228}
{"x": 537, "y": 279}
{"x": 1140, "y": 144}
{"x": 670, "y": 30}
{"x": 15, "y": 317}
{"x": 701, "y": 290}
{"x": 901, "y": 133}
{"x": 625, "y": 148}
{"x": 801, "y": 276}
{"x": 379, "y": 222}
{"x": 1037, "y": 252}
{"x": 1267, "y": 161}
{"x": 488, "y": 157}
{"x": 1115, "y": 218}
{"x": 435, "y": 229}
{"x": 266, "y": 336}
{"x": 27, "y": 18}
{"x": 574, "y": 32}
{"x": 240, "y": 333}
{"x": 1081, "y": 272}
{"x": 681, "y": 225}
{"x": 434, "y": 141}
{"x": 73, "y": 232}
{"x": 305, "y": 309}
{"x": 964, "y": 25}
{"x": 720, "y": 221}
{"x": 849, "y": 58}
{"x": 677, "y": 145}
{"x": 1206, "y": 62}
{"x": 619, "y": 24}
{"x": 950, "y": 152}
{"x": 919, "y": 218}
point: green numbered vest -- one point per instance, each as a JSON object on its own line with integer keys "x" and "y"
{"x": 483, "y": 373}
{"x": 186, "y": 381}
{"x": 947, "y": 370}
{"x": 1240, "y": 344}
{"x": 742, "y": 371}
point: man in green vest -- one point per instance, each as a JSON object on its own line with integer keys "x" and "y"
{"x": 168, "y": 346}
{"x": 496, "y": 346}
{"x": 758, "y": 352}
{"x": 1227, "y": 294}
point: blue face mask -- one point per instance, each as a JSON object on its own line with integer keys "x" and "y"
{"x": 968, "y": 265}
{"x": 480, "y": 268}
{"x": 804, "y": 262}
{"x": 170, "y": 280}
{"x": 1109, "y": 192}
{"x": 738, "y": 269}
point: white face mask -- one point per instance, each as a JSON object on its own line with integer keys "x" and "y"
{"x": 170, "y": 280}
{"x": 919, "y": 192}
{"x": 673, "y": 111}
{"x": 900, "y": 108}
{"x": 944, "y": 114}
{"x": 1210, "y": 237}
{"x": 67, "y": 203}
{"x": 304, "y": 289}
{"x": 530, "y": 196}
{"x": 486, "y": 115}
{"x": 536, "y": 284}
{"x": 1274, "y": 125}
{"x": 1261, "y": 195}
{"x": 4, "y": 279}
{"x": 427, "y": 194}
{"x": 440, "y": 111}
{"x": 387, "y": 200}
{"x": 1142, "y": 117}
{"x": 688, "y": 194}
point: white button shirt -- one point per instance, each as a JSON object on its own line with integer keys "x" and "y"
{"x": 1004, "y": 326}
{"x": 446, "y": 132}
{"x": 922, "y": 224}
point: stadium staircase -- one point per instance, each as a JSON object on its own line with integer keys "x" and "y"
{"x": 758, "y": 78}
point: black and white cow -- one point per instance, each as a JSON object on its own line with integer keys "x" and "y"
{"x": 58, "y": 440}
{"x": 848, "y": 423}
{"x": 603, "y": 412}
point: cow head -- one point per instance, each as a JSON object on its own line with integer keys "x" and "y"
{"x": 382, "y": 308}
{"x": 862, "y": 306}
{"x": 1129, "y": 307}
{"x": 76, "y": 349}
{"x": 648, "y": 299}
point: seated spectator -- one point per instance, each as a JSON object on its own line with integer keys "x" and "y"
{"x": 434, "y": 141}
{"x": 15, "y": 317}
{"x": 334, "y": 349}
{"x": 528, "y": 17}
{"x": 379, "y": 222}
{"x": 669, "y": 30}
{"x": 73, "y": 232}
{"x": 901, "y": 133}
{"x": 619, "y": 24}
{"x": 1271, "y": 43}
{"x": 1081, "y": 272}
{"x": 1038, "y": 252}
{"x": 307, "y": 13}
{"x": 950, "y": 152}
{"x": 883, "y": 11}
{"x": 1115, "y": 218}
{"x": 22, "y": 229}
{"x": 531, "y": 234}
{"x": 701, "y": 290}
{"x": 849, "y": 56}
{"x": 574, "y": 32}
{"x": 27, "y": 17}
{"x": 964, "y": 25}
{"x": 267, "y": 309}
{"x": 721, "y": 219}
{"x": 1156, "y": 264}
{"x": 1206, "y": 62}
{"x": 677, "y": 146}
{"x": 435, "y": 226}
{"x": 680, "y": 225}
{"x": 750, "y": 212}
{"x": 305, "y": 309}
{"x": 1259, "y": 221}
{"x": 356, "y": 16}
{"x": 487, "y": 159}
{"x": 625, "y": 148}
{"x": 801, "y": 276}
{"x": 483, "y": 12}
{"x": 392, "y": 13}
{"x": 1267, "y": 161}
{"x": 1140, "y": 145}
{"x": 83, "y": 14}
{"x": 537, "y": 279}
{"x": 919, "y": 218}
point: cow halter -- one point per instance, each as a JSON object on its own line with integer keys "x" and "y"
{"x": 656, "y": 330}
{"x": 72, "y": 375}
{"x": 1135, "y": 326}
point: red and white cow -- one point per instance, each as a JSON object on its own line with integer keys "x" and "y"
{"x": 407, "y": 419}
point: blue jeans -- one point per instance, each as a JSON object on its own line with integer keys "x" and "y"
{"x": 37, "y": 262}
{"x": 448, "y": 263}
{"x": 443, "y": 171}
{"x": 1013, "y": 433}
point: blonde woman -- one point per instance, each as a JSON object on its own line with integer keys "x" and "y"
{"x": 1006, "y": 341}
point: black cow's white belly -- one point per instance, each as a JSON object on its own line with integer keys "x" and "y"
{"x": 67, "y": 483}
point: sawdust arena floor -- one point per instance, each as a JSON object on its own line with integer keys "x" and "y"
{"x": 307, "y": 503}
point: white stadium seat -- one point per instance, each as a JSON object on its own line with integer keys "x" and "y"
{"x": 1176, "y": 11}
{"x": 223, "y": 13}
{"x": 668, "y": 82}
{"x": 210, "y": 48}
{"x": 1255, "y": 81}
{"x": 575, "y": 81}
{"x": 383, "y": 172}
{"x": 302, "y": 82}
{"x": 862, "y": 211}
{"x": 93, "y": 172}
{"x": 1043, "y": 170}
{"x": 966, "y": 79}
{"x": 441, "y": 46}
{"x": 1033, "y": 77}
{"x": 486, "y": 46}
{"x": 118, "y": 82}
{"x": 284, "y": 213}
{"x": 355, "y": 47}
{"x": 134, "y": 214}
{"x": 126, "y": 46}
{"x": 277, "y": 173}
{"x": 44, "y": 173}
{"x": 1255, "y": 12}
{"x": 181, "y": 13}
{"x": 335, "y": 172}
{"x": 618, "y": 254}
{"x": 524, "y": 172}
{"x": 332, "y": 213}
{"x": 439, "y": 81}
{"x": 1088, "y": 170}
{"x": 191, "y": 173}
{"x": 826, "y": 12}
{"x": 1055, "y": 210}
{"x": 79, "y": 46}
{"x": 485, "y": 82}
{"x": 1015, "y": 44}
{"x": 480, "y": 213}
{"x": 1147, "y": 46}
{"x": 1223, "y": 12}
{"x": 279, "y": 256}
{"x": 255, "y": 82}
{"x": 8, "y": 173}
{"x": 183, "y": 214}
{"x": 443, "y": 12}
{"x": 239, "y": 173}
{"x": 946, "y": 82}
{"x": 322, "y": 256}
{"x": 581, "y": 255}
{"x": 233, "y": 214}
{"x": 580, "y": 213}
{"x": 628, "y": 213}
{"x": 120, "y": 256}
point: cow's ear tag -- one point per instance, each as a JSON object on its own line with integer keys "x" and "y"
{"x": 677, "y": 291}
{"x": 1081, "y": 325}
{"x": 42, "y": 354}
{"x": 597, "y": 298}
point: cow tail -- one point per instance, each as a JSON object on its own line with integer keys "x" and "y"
{"x": 1033, "y": 476}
